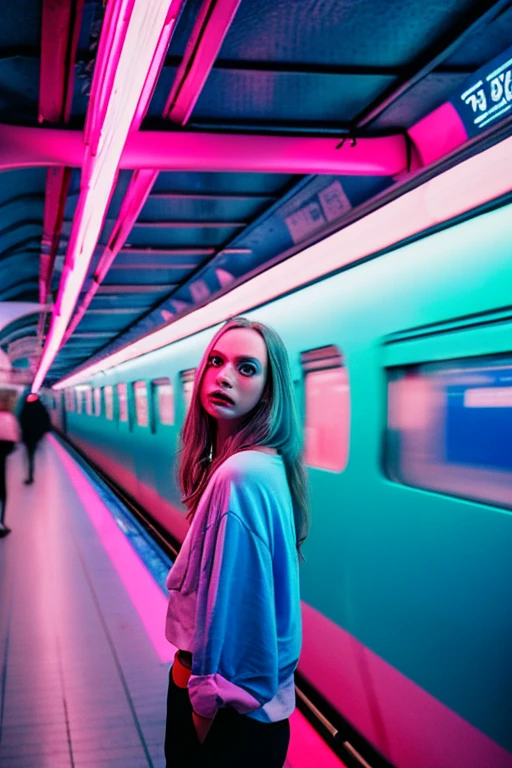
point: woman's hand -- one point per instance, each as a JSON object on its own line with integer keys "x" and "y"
{"x": 202, "y": 725}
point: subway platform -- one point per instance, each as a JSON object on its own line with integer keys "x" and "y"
{"x": 84, "y": 661}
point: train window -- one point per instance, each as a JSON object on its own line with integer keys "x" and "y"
{"x": 69, "y": 399}
{"x": 163, "y": 401}
{"x": 79, "y": 400}
{"x": 122, "y": 399}
{"x": 108, "y": 394}
{"x": 327, "y": 420}
{"x": 97, "y": 401}
{"x": 140, "y": 391}
{"x": 88, "y": 400}
{"x": 187, "y": 382}
{"x": 449, "y": 427}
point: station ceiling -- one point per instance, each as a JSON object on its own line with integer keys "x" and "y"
{"x": 300, "y": 69}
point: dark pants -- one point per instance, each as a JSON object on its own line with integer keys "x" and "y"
{"x": 31, "y": 449}
{"x": 234, "y": 740}
{"x": 5, "y": 449}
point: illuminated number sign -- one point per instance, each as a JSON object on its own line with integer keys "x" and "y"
{"x": 487, "y": 95}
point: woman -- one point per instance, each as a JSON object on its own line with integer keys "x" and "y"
{"x": 234, "y": 607}
{"x": 9, "y": 436}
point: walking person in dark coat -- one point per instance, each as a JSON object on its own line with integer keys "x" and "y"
{"x": 9, "y": 436}
{"x": 34, "y": 423}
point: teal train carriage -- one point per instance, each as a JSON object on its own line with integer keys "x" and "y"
{"x": 403, "y": 374}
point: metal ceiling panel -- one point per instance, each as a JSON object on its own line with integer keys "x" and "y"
{"x": 223, "y": 183}
{"x": 482, "y": 46}
{"x": 279, "y": 98}
{"x": 426, "y": 96}
{"x": 19, "y": 90}
{"x": 123, "y": 301}
{"x": 206, "y": 207}
{"x": 108, "y": 319}
{"x": 21, "y": 24}
{"x": 368, "y": 34}
{"x": 21, "y": 224}
{"x": 186, "y": 236}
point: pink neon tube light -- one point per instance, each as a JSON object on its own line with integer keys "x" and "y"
{"x": 23, "y": 147}
{"x": 213, "y": 21}
{"x": 134, "y": 33}
{"x": 475, "y": 181}
{"x": 211, "y": 26}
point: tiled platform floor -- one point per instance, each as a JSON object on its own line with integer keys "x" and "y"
{"x": 83, "y": 670}
{"x": 82, "y": 685}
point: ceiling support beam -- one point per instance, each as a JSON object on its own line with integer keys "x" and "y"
{"x": 57, "y": 187}
{"x": 60, "y": 30}
{"x": 22, "y": 147}
{"x": 211, "y": 26}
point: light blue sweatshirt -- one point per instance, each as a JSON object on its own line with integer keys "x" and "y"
{"x": 234, "y": 591}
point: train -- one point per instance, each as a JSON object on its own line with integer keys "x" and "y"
{"x": 402, "y": 367}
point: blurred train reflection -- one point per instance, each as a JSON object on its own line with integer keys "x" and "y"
{"x": 450, "y": 425}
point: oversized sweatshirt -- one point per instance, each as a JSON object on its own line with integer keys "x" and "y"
{"x": 234, "y": 591}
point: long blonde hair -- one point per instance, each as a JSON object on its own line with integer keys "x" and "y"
{"x": 273, "y": 423}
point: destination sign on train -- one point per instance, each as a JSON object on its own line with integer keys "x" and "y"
{"x": 486, "y": 96}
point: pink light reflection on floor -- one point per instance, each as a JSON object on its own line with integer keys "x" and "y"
{"x": 307, "y": 748}
{"x": 146, "y": 596}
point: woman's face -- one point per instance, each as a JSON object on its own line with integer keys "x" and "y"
{"x": 235, "y": 375}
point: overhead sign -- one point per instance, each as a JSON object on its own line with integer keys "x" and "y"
{"x": 486, "y": 96}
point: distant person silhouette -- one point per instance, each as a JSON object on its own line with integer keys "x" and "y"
{"x": 34, "y": 422}
{"x": 9, "y": 436}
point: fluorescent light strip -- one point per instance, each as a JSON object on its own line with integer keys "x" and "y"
{"x": 213, "y": 21}
{"x": 471, "y": 183}
{"x": 143, "y": 180}
{"x": 149, "y": 25}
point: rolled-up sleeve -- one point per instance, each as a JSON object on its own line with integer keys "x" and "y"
{"x": 235, "y": 642}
